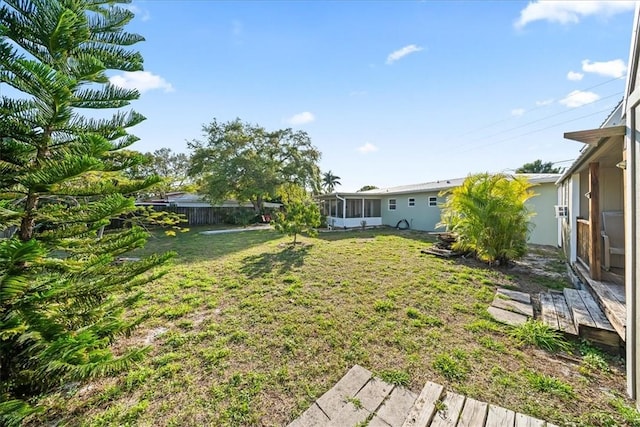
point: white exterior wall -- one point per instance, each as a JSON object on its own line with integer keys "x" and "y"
{"x": 545, "y": 223}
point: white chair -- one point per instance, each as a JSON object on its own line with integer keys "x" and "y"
{"x": 613, "y": 235}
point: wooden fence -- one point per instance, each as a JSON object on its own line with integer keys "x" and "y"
{"x": 211, "y": 215}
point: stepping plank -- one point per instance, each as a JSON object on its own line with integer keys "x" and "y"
{"x": 394, "y": 410}
{"x": 513, "y": 305}
{"x": 425, "y": 406}
{"x": 333, "y": 400}
{"x": 526, "y": 421}
{"x": 508, "y": 317}
{"x": 500, "y": 417}
{"x": 580, "y": 313}
{"x": 373, "y": 394}
{"x": 473, "y": 414}
{"x": 376, "y": 421}
{"x": 548, "y": 311}
{"x": 349, "y": 415}
{"x": 312, "y": 417}
{"x": 597, "y": 315}
{"x": 453, "y": 403}
{"x": 565, "y": 320}
{"x": 514, "y": 295}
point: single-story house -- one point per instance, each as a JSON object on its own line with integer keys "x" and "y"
{"x": 600, "y": 196}
{"x": 181, "y": 199}
{"x": 418, "y": 207}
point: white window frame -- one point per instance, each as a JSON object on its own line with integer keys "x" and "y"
{"x": 389, "y": 204}
{"x": 432, "y": 201}
{"x": 411, "y": 202}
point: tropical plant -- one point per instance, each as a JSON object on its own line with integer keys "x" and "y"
{"x": 300, "y": 213}
{"x": 489, "y": 216}
{"x": 62, "y": 288}
{"x": 246, "y": 162}
{"x": 538, "y": 167}
{"x": 329, "y": 181}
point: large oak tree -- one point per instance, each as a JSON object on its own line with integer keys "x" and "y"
{"x": 248, "y": 163}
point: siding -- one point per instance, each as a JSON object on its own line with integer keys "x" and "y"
{"x": 424, "y": 217}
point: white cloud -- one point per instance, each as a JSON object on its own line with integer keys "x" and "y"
{"x": 578, "y": 98}
{"x": 544, "y": 102}
{"x": 517, "y": 112}
{"x": 569, "y": 12}
{"x": 615, "y": 68}
{"x": 574, "y": 76}
{"x": 301, "y": 118}
{"x": 401, "y": 53}
{"x": 141, "y": 80}
{"x": 367, "y": 148}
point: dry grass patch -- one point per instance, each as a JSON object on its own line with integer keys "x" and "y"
{"x": 257, "y": 330}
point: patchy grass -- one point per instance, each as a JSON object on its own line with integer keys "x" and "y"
{"x": 258, "y": 329}
{"x": 536, "y": 333}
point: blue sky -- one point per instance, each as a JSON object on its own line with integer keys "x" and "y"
{"x": 391, "y": 93}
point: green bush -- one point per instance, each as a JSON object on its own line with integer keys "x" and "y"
{"x": 489, "y": 216}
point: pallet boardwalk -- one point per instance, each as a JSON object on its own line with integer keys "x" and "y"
{"x": 359, "y": 399}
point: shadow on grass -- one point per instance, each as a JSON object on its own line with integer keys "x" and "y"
{"x": 331, "y": 236}
{"x": 281, "y": 262}
{"x": 193, "y": 246}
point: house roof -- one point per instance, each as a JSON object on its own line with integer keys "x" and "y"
{"x": 614, "y": 125}
{"x": 437, "y": 186}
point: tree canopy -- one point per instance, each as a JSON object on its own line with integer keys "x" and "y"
{"x": 329, "y": 181}
{"x": 538, "y": 166}
{"x": 367, "y": 188}
{"x": 61, "y": 292}
{"x": 172, "y": 168}
{"x": 246, "y": 162}
{"x": 300, "y": 213}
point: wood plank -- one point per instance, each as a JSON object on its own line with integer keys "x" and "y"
{"x": 500, "y": 417}
{"x": 425, "y": 406}
{"x": 349, "y": 415}
{"x": 312, "y": 417}
{"x": 333, "y": 400}
{"x": 395, "y": 409}
{"x": 597, "y": 315}
{"x": 594, "y": 221}
{"x": 508, "y": 317}
{"x": 448, "y": 417}
{"x": 615, "y": 310}
{"x": 513, "y": 306}
{"x": 527, "y": 421}
{"x": 548, "y": 313}
{"x": 515, "y": 295}
{"x": 565, "y": 319}
{"x": 373, "y": 394}
{"x": 376, "y": 421}
{"x": 473, "y": 414}
{"x": 580, "y": 313}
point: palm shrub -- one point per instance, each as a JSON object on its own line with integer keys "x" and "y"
{"x": 62, "y": 291}
{"x": 489, "y": 216}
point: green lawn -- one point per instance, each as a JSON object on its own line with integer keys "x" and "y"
{"x": 257, "y": 330}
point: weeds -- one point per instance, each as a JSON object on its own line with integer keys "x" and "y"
{"x": 395, "y": 377}
{"x": 536, "y": 333}
{"x": 548, "y": 384}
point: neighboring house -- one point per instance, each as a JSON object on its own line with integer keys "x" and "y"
{"x": 191, "y": 200}
{"x": 604, "y": 181}
{"x": 199, "y": 211}
{"x": 420, "y": 206}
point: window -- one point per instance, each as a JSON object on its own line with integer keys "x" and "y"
{"x": 412, "y": 201}
{"x": 392, "y": 204}
{"x": 433, "y": 201}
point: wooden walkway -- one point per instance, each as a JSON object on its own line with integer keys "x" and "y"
{"x": 576, "y": 313}
{"x": 360, "y": 399}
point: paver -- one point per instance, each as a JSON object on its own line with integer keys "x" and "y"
{"x": 373, "y": 394}
{"x": 312, "y": 417}
{"x": 508, "y": 317}
{"x": 332, "y": 401}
